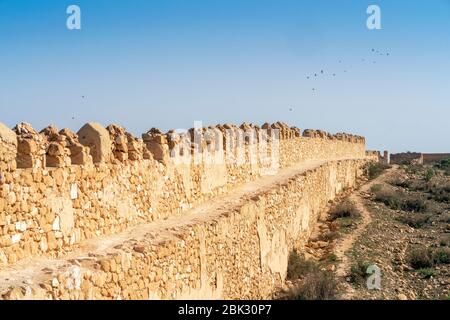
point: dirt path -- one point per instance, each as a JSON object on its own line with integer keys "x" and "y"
{"x": 346, "y": 243}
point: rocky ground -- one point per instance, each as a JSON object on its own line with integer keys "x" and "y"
{"x": 398, "y": 222}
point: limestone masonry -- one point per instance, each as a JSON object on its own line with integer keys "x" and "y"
{"x": 208, "y": 213}
{"x": 419, "y": 158}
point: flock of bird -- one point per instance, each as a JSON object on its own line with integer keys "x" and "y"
{"x": 375, "y": 54}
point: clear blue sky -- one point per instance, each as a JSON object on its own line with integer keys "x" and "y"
{"x": 166, "y": 63}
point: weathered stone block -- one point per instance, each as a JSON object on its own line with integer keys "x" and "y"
{"x": 96, "y": 137}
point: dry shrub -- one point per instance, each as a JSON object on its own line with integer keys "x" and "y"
{"x": 374, "y": 170}
{"x": 420, "y": 258}
{"x": 415, "y": 220}
{"x": 399, "y": 201}
{"x": 319, "y": 285}
{"x": 298, "y": 266}
{"x": 345, "y": 209}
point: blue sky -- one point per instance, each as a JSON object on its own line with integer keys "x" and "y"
{"x": 166, "y": 63}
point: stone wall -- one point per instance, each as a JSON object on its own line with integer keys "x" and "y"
{"x": 434, "y": 157}
{"x": 419, "y": 158}
{"x": 239, "y": 252}
{"x": 376, "y": 156}
{"x": 407, "y": 157}
{"x": 60, "y": 189}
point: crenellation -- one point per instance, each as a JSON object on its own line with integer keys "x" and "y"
{"x": 119, "y": 140}
{"x": 31, "y": 147}
{"x": 157, "y": 144}
{"x": 8, "y": 150}
{"x": 202, "y": 258}
{"x": 48, "y": 212}
{"x": 57, "y": 153}
{"x": 96, "y": 137}
{"x": 79, "y": 154}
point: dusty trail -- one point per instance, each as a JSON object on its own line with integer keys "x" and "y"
{"x": 346, "y": 243}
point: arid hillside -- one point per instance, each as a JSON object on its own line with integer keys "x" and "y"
{"x": 399, "y": 222}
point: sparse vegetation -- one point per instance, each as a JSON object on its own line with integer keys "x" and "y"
{"x": 416, "y": 251}
{"x": 438, "y": 191}
{"x": 298, "y": 266}
{"x": 444, "y": 241}
{"x": 320, "y": 285}
{"x": 415, "y": 220}
{"x": 443, "y": 165}
{"x": 332, "y": 257}
{"x": 413, "y": 168}
{"x": 376, "y": 188}
{"x": 429, "y": 174}
{"x": 441, "y": 256}
{"x": 329, "y": 236}
{"x": 399, "y": 201}
{"x": 374, "y": 170}
{"x": 316, "y": 284}
{"x": 420, "y": 258}
{"x": 345, "y": 209}
{"x": 427, "y": 273}
{"x": 358, "y": 272}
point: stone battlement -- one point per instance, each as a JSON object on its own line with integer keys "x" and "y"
{"x": 60, "y": 189}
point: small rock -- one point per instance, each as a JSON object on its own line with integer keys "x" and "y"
{"x": 139, "y": 248}
{"x": 401, "y": 296}
{"x": 322, "y": 244}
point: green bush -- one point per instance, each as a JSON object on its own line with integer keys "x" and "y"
{"x": 441, "y": 256}
{"x": 427, "y": 273}
{"x": 358, "y": 272}
{"x": 443, "y": 164}
{"x": 429, "y": 174}
{"x": 332, "y": 257}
